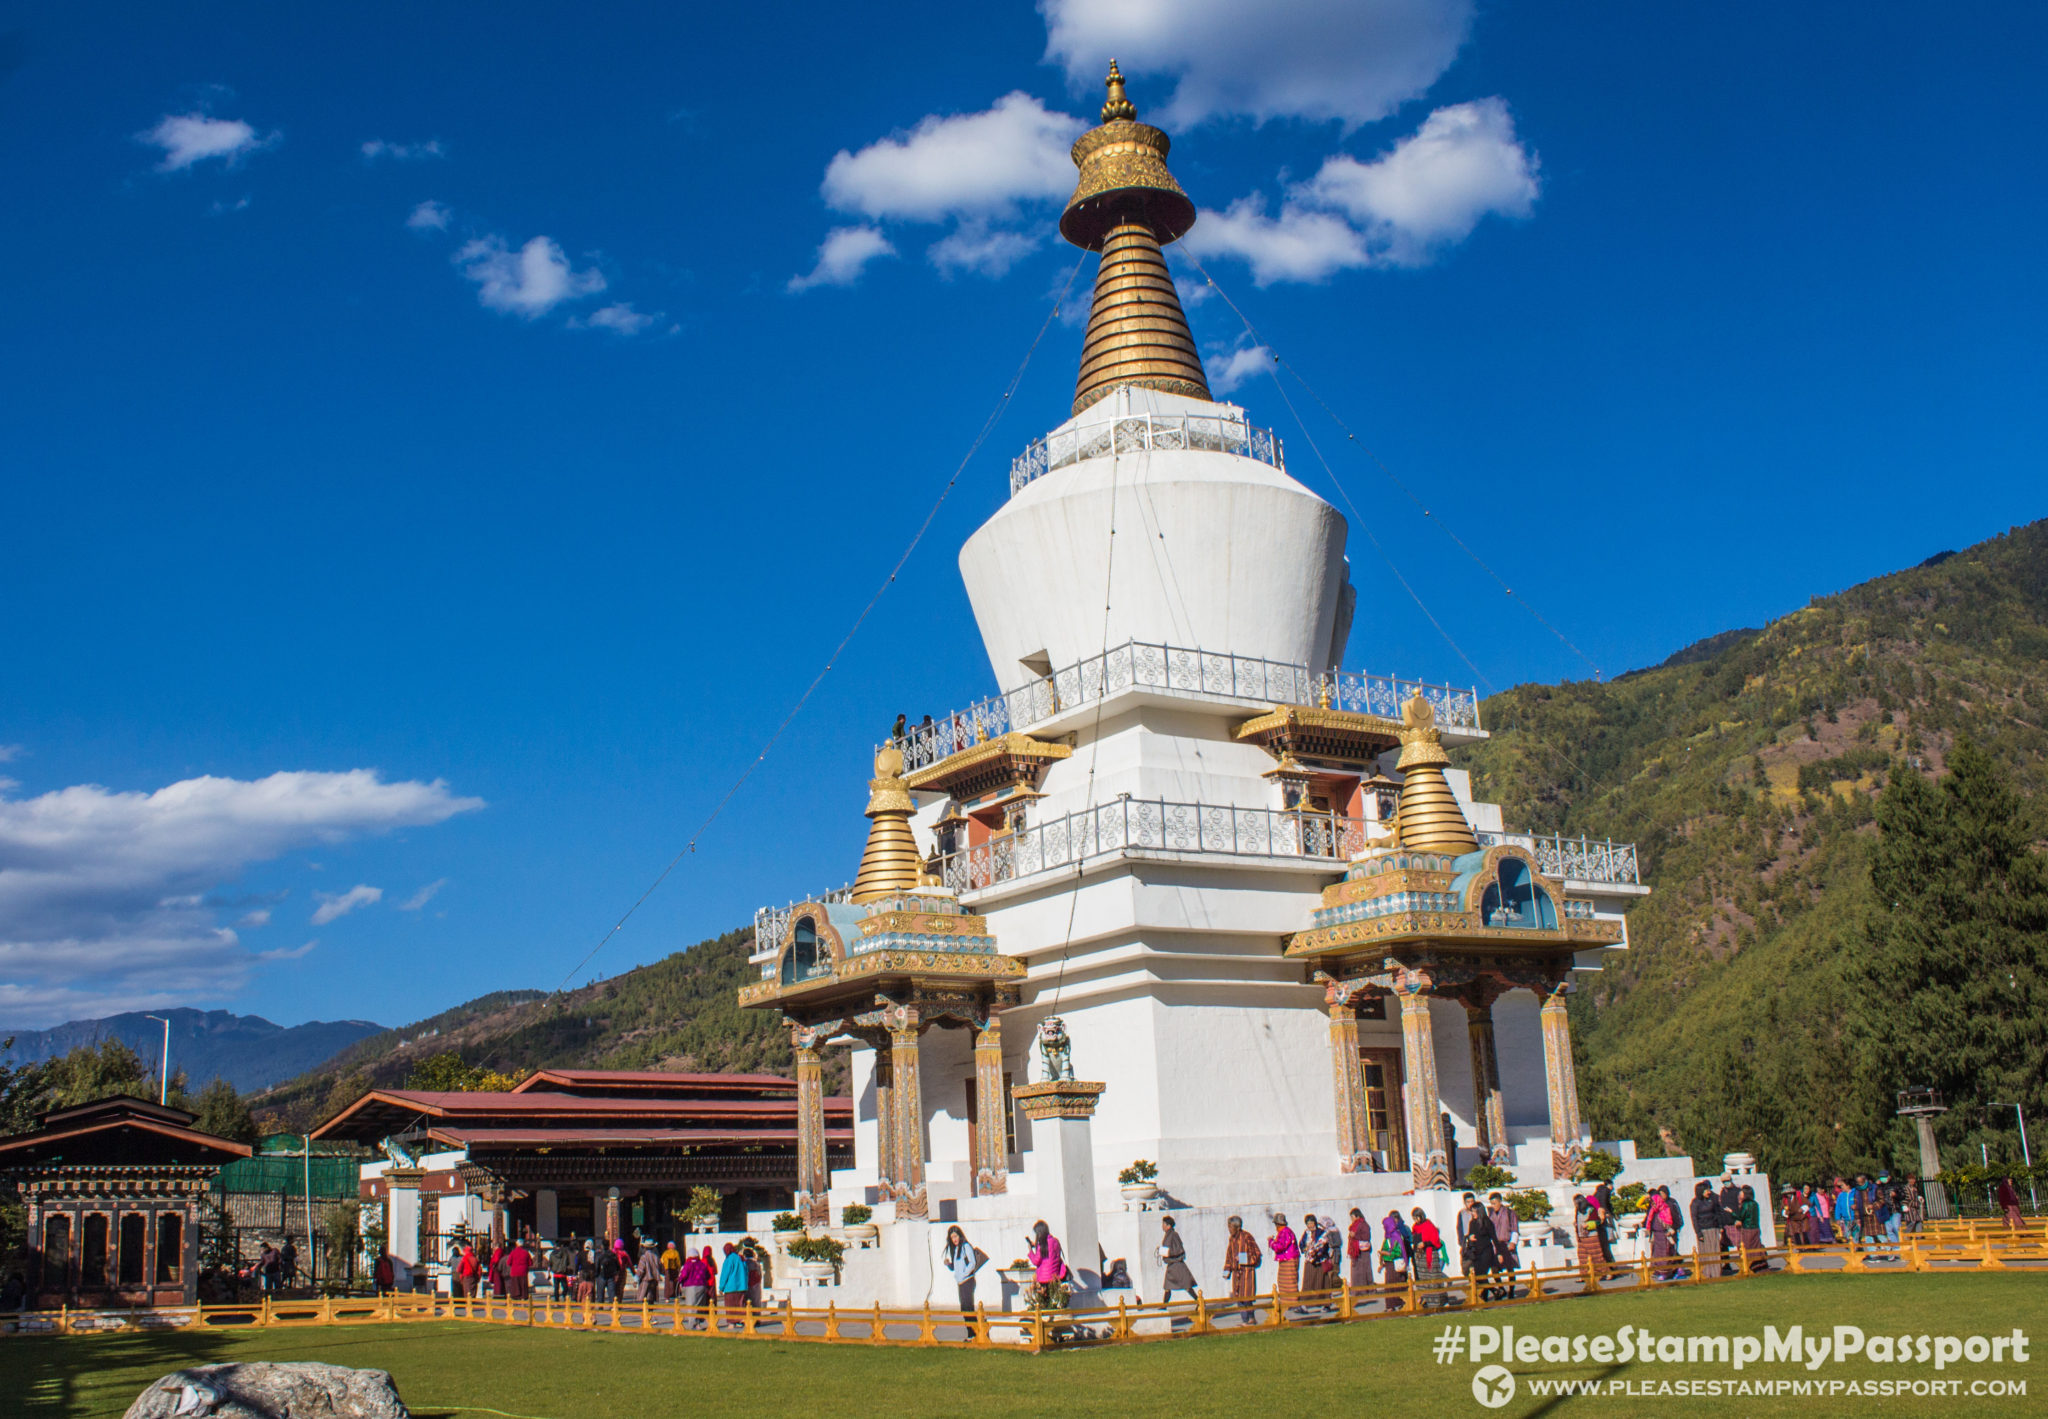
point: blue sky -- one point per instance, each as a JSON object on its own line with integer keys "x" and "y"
{"x": 438, "y": 448}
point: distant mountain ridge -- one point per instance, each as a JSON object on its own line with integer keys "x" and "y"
{"x": 248, "y": 1051}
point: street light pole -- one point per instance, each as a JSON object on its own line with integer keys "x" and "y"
{"x": 163, "y": 1079}
{"x": 2026, "y": 1153}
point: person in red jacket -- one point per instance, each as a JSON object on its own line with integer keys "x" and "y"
{"x": 467, "y": 1270}
{"x": 517, "y": 1264}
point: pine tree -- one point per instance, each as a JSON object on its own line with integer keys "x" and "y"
{"x": 223, "y": 1114}
{"x": 1949, "y": 988}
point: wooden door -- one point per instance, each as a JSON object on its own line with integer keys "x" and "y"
{"x": 1384, "y": 1109}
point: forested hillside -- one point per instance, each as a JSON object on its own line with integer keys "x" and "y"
{"x": 677, "y": 1013}
{"x": 1749, "y": 768}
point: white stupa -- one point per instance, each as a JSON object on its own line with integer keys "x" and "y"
{"x": 1306, "y": 977}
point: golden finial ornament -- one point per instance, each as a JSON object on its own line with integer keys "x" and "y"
{"x": 1118, "y": 105}
{"x": 890, "y": 864}
{"x": 1127, "y": 206}
{"x": 1427, "y": 817}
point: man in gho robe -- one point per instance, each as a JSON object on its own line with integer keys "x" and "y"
{"x": 1241, "y": 1258}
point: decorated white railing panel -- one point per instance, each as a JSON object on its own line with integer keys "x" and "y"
{"x": 1576, "y": 859}
{"x": 1179, "y": 670}
{"x": 1133, "y": 823}
{"x": 1145, "y": 433}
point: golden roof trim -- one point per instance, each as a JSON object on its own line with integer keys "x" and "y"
{"x": 1016, "y": 745}
{"x": 1313, "y": 717}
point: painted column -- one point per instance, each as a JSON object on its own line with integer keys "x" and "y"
{"x": 611, "y": 1216}
{"x": 991, "y": 1110}
{"x": 813, "y": 1184}
{"x": 402, "y": 1213}
{"x": 1566, "y": 1134}
{"x": 1063, "y": 1168}
{"x": 1354, "y": 1141}
{"x": 885, "y": 1119}
{"x": 1489, "y": 1104}
{"x": 907, "y": 1102}
{"x": 1426, "y": 1156}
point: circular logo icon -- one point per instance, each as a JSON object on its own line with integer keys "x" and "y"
{"x": 1494, "y": 1386}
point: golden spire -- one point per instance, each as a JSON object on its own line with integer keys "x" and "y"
{"x": 1127, "y": 206}
{"x": 1428, "y": 818}
{"x": 890, "y": 864}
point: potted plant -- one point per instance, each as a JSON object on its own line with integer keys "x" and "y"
{"x": 817, "y": 1259}
{"x": 1019, "y": 1273}
{"x": 786, "y": 1228}
{"x": 1138, "y": 1181}
{"x": 854, "y": 1222}
{"x": 1485, "y": 1177}
{"x": 703, "y": 1208}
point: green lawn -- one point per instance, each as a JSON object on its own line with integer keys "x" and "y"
{"x": 1371, "y": 1367}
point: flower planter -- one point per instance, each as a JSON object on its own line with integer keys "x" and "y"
{"x": 783, "y": 1239}
{"x": 1139, "y": 1192}
{"x": 862, "y": 1234}
{"x": 704, "y": 1226}
{"x": 815, "y": 1273}
{"x": 1019, "y": 1276}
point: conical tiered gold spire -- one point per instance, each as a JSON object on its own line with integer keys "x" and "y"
{"x": 890, "y": 864}
{"x": 1428, "y": 818}
{"x": 1127, "y": 206}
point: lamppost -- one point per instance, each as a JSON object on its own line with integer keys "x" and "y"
{"x": 163, "y": 1079}
{"x": 2026, "y": 1153}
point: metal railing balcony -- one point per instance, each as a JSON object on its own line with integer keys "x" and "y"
{"x": 1135, "y": 823}
{"x": 1144, "y": 433}
{"x": 771, "y": 922}
{"x": 1178, "y": 670}
{"x": 1576, "y": 859}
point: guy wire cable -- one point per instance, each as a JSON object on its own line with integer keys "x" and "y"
{"x": 1391, "y": 477}
{"x": 1094, "y": 738}
{"x": 988, "y": 427}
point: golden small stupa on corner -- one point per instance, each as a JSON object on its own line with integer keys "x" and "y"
{"x": 1127, "y": 206}
{"x": 1428, "y": 818}
{"x": 890, "y": 865}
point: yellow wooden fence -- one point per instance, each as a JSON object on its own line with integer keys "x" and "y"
{"x": 1945, "y": 1250}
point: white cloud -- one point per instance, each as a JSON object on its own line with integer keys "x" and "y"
{"x": 249, "y": 921}
{"x": 424, "y": 895}
{"x": 288, "y": 954}
{"x": 401, "y": 152}
{"x": 1239, "y": 366}
{"x": 223, "y": 208}
{"x": 622, "y": 318}
{"x": 842, "y": 256}
{"x": 1426, "y": 192}
{"x": 1434, "y": 186}
{"x": 189, "y": 138}
{"x": 1298, "y": 245}
{"x": 967, "y": 164}
{"x": 977, "y": 247}
{"x": 430, "y": 216}
{"x": 336, "y": 905}
{"x": 103, "y": 894}
{"x": 1351, "y": 60}
{"x": 9, "y": 752}
{"x": 528, "y": 282}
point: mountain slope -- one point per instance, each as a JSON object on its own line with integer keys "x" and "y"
{"x": 1746, "y": 769}
{"x": 248, "y": 1051}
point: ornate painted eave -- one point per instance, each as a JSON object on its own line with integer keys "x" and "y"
{"x": 1310, "y": 732}
{"x": 1014, "y": 760}
{"x": 853, "y": 983}
{"x": 1451, "y": 932}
